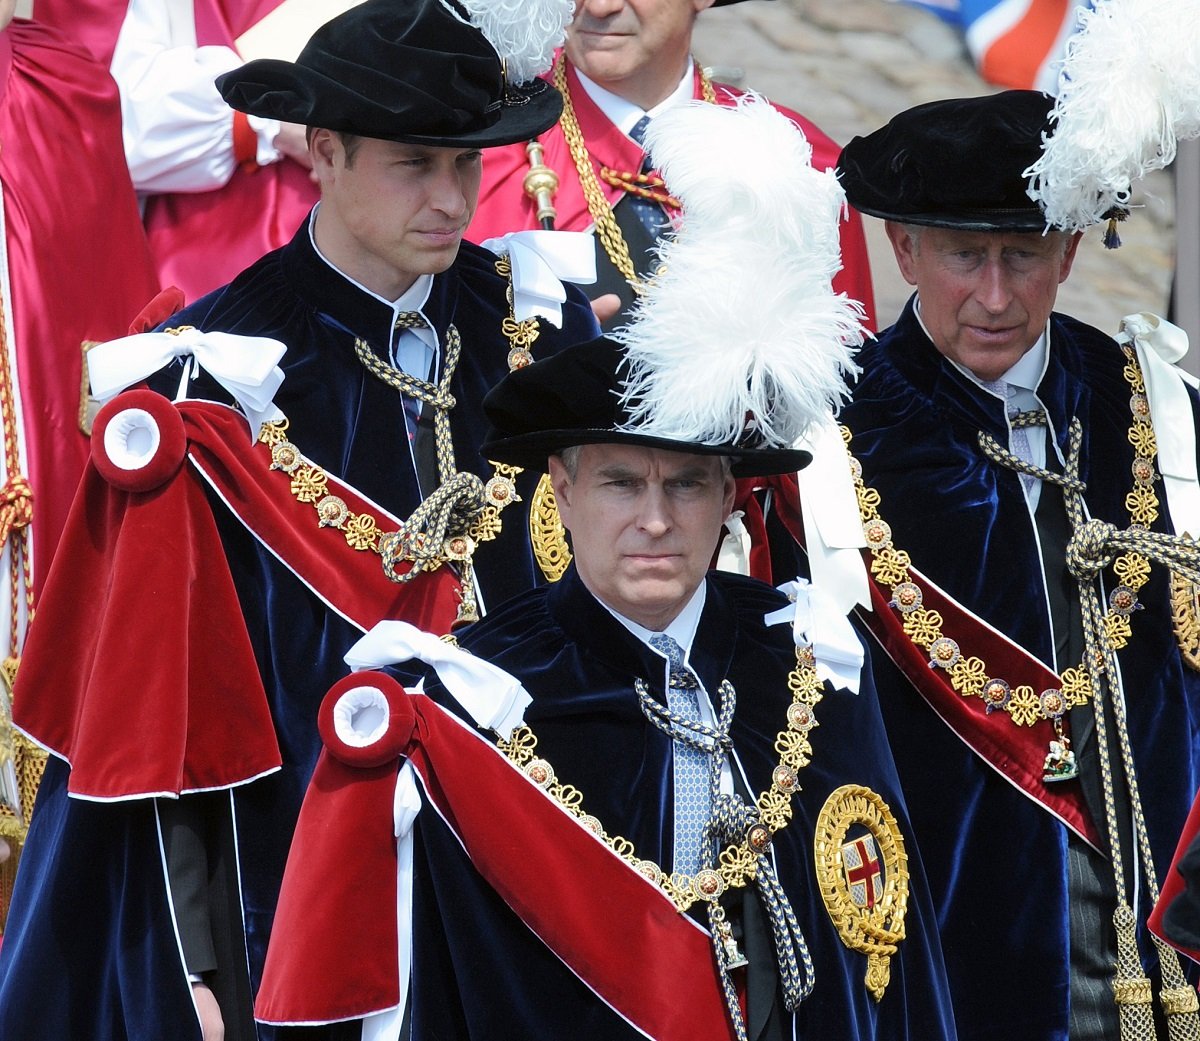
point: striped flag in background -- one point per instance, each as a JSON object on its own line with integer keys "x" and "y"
{"x": 1015, "y": 43}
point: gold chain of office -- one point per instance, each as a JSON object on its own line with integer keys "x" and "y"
{"x": 310, "y": 483}
{"x": 736, "y": 864}
{"x": 601, "y": 212}
{"x": 968, "y": 674}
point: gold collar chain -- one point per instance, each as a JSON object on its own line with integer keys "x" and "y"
{"x": 968, "y": 674}
{"x": 601, "y": 212}
{"x": 736, "y": 865}
{"x": 310, "y": 484}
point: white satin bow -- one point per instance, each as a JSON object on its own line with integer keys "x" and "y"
{"x": 541, "y": 262}
{"x": 493, "y": 698}
{"x": 817, "y": 620}
{"x": 246, "y": 366}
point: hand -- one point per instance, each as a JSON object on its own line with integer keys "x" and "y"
{"x": 292, "y": 143}
{"x": 5, "y": 850}
{"x": 212, "y": 1026}
{"x": 606, "y": 307}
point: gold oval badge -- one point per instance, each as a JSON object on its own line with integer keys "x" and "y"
{"x": 862, "y": 870}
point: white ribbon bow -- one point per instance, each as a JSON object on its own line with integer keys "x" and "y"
{"x": 541, "y": 262}
{"x": 816, "y": 620}
{"x": 493, "y": 698}
{"x": 833, "y": 530}
{"x": 734, "y": 552}
{"x": 1159, "y": 345}
{"x": 246, "y": 366}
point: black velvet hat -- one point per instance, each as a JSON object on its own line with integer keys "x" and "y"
{"x": 574, "y": 398}
{"x": 957, "y": 163}
{"x": 401, "y": 70}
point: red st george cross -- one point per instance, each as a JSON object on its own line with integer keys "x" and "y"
{"x": 861, "y": 864}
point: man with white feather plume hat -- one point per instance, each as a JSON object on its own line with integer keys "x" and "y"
{"x": 1027, "y": 486}
{"x": 319, "y": 469}
{"x": 610, "y": 812}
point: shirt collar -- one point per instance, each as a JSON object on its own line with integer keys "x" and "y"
{"x": 682, "y": 629}
{"x": 624, "y": 114}
{"x": 1026, "y": 374}
{"x": 413, "y": 298}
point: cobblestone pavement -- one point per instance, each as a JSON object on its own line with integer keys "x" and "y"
{"x": 850, "y": 65}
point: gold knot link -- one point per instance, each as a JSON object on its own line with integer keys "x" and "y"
{"x": 1132, "y": 992}
{"x": 1091, "y": 549}
{"x": 16, "y": 505}
{"x": 1179, "y": 1000}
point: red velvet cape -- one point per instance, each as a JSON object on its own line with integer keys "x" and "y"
{"x": 160, "y": 692}
{"x": 333, "y": 953}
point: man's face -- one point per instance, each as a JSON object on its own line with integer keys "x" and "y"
{"x": 638, "y": 49}
{"x": 985, "y": 295}
{"x": 391, "y": 211}
{"x": 644, "y": 524}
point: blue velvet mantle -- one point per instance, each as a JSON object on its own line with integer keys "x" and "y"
{"x": 474, "y": 958}
{"x": 91, "y": 953}
{"x": 996, "y": 861}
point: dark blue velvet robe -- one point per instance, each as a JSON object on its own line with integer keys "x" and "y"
{"x": 996, "y": 860}
{"x": 91, "y": 953}
{"x": 478, "y": 972}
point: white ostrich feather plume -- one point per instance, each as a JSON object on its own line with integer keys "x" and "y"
{"x": 742, "y": 323}
{"x": 525, "y": 33}
{"x": 1128, "y": 92}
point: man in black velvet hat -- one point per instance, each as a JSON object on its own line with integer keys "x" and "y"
{"x": 145, "y": 912}
{"x": 1045, "y": 723}
{"x": 673, "y": 712}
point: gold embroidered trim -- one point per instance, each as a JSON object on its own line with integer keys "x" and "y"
{"x": 736, "y": 865}
{"x": 876, "y": 926}
{"x": 1185, "y": 616}
{"x": 546, "y": 532}
{"x": 602, "y": 215}
{"x": 968, "y": 674}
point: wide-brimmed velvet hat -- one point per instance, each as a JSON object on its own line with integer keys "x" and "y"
{"x": 416, "y": 71}
{"x": 575, "y": 397}
{"x": 958, "y": 163}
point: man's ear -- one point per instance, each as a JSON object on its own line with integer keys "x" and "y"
{"x": 323, "y": 146}
{"x": 904, "y": 245}
{"x": 560, "y": 481}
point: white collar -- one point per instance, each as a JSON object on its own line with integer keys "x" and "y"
{"x": 1026, "y": 374}
{"x": 682, "y": 628}
{"x": 412, "y": 299}
{"x": 624, "y": 114}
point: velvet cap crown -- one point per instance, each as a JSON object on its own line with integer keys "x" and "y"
{"x": 957, "y": 163}
{"x": 401, "y": 70}
{"x": 574, "y": 398}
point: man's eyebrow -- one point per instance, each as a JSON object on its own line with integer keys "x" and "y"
{"x": 617, "y": 471}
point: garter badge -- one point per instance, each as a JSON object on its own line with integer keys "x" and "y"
{"x": 862, "y": 872}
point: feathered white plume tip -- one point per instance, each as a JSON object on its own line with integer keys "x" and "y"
{"x": 742, "y": 325}
{"x": 525, "y": 33}
{"x": 1128, "y": 92}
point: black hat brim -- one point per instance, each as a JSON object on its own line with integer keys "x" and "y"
{"x": 291, "y": 93}
{"x": 531, "y": 451}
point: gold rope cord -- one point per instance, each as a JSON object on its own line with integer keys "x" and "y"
{"x": 16, "y": 513}
{"x": 601, "y": 212}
